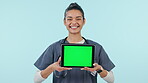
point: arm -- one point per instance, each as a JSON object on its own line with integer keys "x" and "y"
{"x": 110, "y": 77}
{"x": 55, "y": 66}
{"x": 107, "y": 76}
{"x": 38, "y": 78}
{"x": 42, "y": 75}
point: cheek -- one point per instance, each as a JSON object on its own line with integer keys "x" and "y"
{"x": 67, "y": 23}
{"x": 81, "y": 22}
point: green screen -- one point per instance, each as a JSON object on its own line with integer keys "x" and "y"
{"x": 78, "y": 56}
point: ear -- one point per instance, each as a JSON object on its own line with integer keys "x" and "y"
{"x": 64, "y": 22}
{"x": 84, "y": 21}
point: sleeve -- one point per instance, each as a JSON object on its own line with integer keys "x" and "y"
{"x": 104, "y": 60}
{"x": 38, "y": 78}
{"x": 45, "y": 59}
{"x": 110, "y": 77}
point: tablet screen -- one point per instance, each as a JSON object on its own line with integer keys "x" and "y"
{"x": 77, "y": 55}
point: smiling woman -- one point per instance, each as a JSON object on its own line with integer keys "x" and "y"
{"x": 27, "y": 27}
{"x": 47, "y": 62}
{"x": 74, "y": 21}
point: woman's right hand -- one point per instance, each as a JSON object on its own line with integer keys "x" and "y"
{"x": 56, "y": 66}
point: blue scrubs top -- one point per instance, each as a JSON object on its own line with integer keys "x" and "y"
{"x": 52, "y": 53}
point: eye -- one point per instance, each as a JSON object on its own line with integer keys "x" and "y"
{"x": 78, "y": 19}
{"x": 69, "y": 19}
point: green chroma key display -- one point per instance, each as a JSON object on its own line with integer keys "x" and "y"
{"x": 77, "y": 55}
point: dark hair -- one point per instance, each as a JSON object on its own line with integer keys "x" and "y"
{"x": 74, "y": 6}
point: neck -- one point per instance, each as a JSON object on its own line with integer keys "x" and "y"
{"x": 74, "y": 38}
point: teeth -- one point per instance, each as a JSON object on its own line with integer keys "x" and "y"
{"x": 73, "y": 27}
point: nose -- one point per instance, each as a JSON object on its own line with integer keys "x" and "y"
{"x": 73, "y": 22}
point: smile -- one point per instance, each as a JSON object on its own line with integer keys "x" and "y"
{"x": 73, "y": 27}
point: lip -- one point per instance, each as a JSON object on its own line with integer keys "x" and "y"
{"x": 74, "y": 27}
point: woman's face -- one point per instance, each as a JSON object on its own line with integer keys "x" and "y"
{"x": 74, "y": 21}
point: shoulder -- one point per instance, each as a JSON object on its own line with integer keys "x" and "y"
{"x": 94, "y": 43}
{"x": 56, "y": 44}
{"x": 97, "y": 45}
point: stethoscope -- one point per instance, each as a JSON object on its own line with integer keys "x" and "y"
{"x": 66, "y": 40}
{"x": 64, "y": 73}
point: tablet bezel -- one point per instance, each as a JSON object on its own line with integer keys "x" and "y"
{"x": 62, "y": 57}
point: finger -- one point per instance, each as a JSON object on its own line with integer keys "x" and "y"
{"x": 60, "y": 68}
{"x": 59, "y": 60}
{"x": 90, "y": 69}
{"x": 63, "y": 68}
{"x": 82, "y": 68}
{"x": 67, "y": 68}
{"x": 95, "y": 64}
{"x": 85, "y": 68}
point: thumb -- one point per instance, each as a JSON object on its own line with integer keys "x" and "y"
{"x": 59, "y": 60}
{"x": 95, "y": 64}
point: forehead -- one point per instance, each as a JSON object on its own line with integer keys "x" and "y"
{"x": 73, "y": 13}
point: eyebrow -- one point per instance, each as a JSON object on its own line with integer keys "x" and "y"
{"x": 68, "y": 17}
{"x": 76, "y": 17}
{"x": 79, "y": 17}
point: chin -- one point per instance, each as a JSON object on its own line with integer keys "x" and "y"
{"x": 74, "y": 32}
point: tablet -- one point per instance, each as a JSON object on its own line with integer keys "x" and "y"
{"x": 77, "y": 55}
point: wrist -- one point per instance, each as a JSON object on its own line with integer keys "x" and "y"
{"x": 53, "y": 66}
{"x": 103, "y": 73}
{"x": 100, "y": 70}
